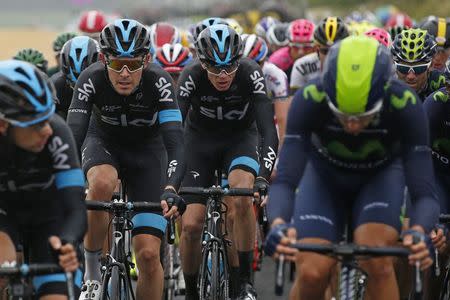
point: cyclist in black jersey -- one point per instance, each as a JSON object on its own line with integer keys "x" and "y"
{"x": 76, "y": 55}
{"x": 224, "y": 103}
{"x": 413, "y": 50}
{"x": 41, "y": 183}
{"x": 58, "y": 43}
{"x": 135, "y": 116}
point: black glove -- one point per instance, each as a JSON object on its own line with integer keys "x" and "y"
{"x": 261, "y": 186}
{"x": 173, "y": 199}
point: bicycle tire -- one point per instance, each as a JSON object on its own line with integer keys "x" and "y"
{"x": 168, "y": 267}
{"x": 203, "y": 276}
{"x": 123, "y": 293}
{"x": 348, "y": 285}
{"x": 215, "y": 272}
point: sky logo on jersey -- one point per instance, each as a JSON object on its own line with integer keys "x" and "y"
{"x": 258, "y": 82}
{"x": 166, "y": 94}
{"x": 57, "y": 148}
{"x": 270, "y": 159}
{"x": 86, "y": 91}
{"x": 187, "y": 88}
{"x": 219, "y": 114}
{"x": 172, "y": 168}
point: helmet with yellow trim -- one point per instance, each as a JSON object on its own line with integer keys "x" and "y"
{"x": 330, "y": 30}
{"x": 439, "y": 28}
{"x": 354, "y": 76}
{"x": 413, "y": 45}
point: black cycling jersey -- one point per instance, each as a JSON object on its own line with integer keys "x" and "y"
{"x": 436, "y": 81}
{"x": 63, "y": 93}
{"x": 150, "y": 110}
{"x": 437, "y": 106}
{"x": 400, "y": 130}
{"x": 56, "y": 166}
{"x": 234, "y": 110}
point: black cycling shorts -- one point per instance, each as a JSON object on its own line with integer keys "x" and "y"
{"x": 143, "y": 167}
{"x": 29, "y": 219}
{"x": 206, "y": 153}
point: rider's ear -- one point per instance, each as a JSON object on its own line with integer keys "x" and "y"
{"x": 102, "y": 57}
{"x": 3, "y": 127}
{"x": 147, "y": 59}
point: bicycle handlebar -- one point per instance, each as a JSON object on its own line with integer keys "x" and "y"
{"x": 30, "y": 270}
{"x": 216, "y": 191}
{"x": 352, "y": 250}
{"x": 111, "y": 206}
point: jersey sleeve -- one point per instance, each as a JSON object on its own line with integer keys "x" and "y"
{"x": 276, "y": 81}
{"x": 297, "y": 79}
{"x": 170, "y": 121}
{"x": 69, "y": 181}
{"x": 186, "y": 89}
{"x": 304, "y": 115}
{"x": 264, "y": 120}
{"x": 412, "y": 125}
{"x": 81, "y": 106}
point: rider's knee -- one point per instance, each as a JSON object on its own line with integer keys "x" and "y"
{"x": 192, "y": 229}
{"x": 102, "y": 182}
{"x": 314, "y": 270}
{"x": 379, "y": 268}
{"x": 148, "y": 259}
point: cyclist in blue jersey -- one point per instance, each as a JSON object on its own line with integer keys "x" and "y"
{"x": 41, "y": 183}
{"x": 355, "y": 137}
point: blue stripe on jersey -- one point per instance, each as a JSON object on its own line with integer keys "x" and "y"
{"x": 150, "y": 220}
{"x": 246, "y": 161}
{"x": 38, "y": 281}
{"x": 69, "y": 178}
{"x": 169, "y": 115}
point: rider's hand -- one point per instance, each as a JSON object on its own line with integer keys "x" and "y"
{"x": 170, "y": 198}
{"x": 67, "y": 255}
{"x": 419, "y": 251}
{"x": 261, "y": 187}
{"x": 277, "y": 242}
{"x": 439, "y": 239}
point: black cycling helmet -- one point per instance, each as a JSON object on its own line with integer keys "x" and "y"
{"x": 76, "y": 55}
{"x": 200, "y": 26}
{"x": 413, "y": 45}
{"x": 439, "y": 28}
{"x": 26, "y": 94}
{"x": 277, "y": 34}
{"x": 330, "y": 30}
{"x": 218, "y": 45}
{"x": 34, "y": 57}
{"x": 62, "y": 39}
{"x": 125, "y": 38}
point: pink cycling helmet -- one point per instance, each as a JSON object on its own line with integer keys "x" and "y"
{"x": 380, "y": 35}
{"x": 301, "y": 31}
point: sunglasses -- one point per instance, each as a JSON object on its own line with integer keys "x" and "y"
{"x": 217, "y": 70}
{"x": 362, "y": 117}
{"x": 301, "y": 46}
{"x": 117, "y": 65}
{"x": 417, "y": 69}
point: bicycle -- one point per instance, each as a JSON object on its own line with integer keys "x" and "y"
{"x": 172, "y": 266}
{"x": 445, "y": 292}
{"x": 213, "y": 280}
{"x": 20, "y": 287}
{"x": 262, "y": 225}
{"x": 116, "y": 279}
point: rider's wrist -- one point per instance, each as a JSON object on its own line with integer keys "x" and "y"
{"x": 170, "y": 187}
{"x": 277, "y": 221}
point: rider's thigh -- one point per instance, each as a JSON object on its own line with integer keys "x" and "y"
{"x": 192, "y": 221}
{"x": 102, "y": 179}
{"x": 313, "y": 269}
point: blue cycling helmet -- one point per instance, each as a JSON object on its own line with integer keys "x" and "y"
{"x": 218, "y": 45}
{"x": 205, "y": 24}
{"x": 76, "y": 55}
{"x": 125, "y": 38}
{"x": 26, "y": 94}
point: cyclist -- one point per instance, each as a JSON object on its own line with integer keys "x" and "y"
{"x": 91, "y": 23}
{"x": 135, "y": 116}
{"x": 412, "y": 51}
{"x": 41, "y": 182}
{"x": 262, "y": 27}
{"x": 397, "y": 23}
{"x": 58, "y": 43}
{"x": 328, "y": 31}
{"x": 76, "y": 55}
{"x": 301, "y": 37}
{"x": 343, "y": 137}
{"x": 162, "y": 33}
{"x": 34, "y": 57}
{"x": 439, "y": 28}
{"x": 277, "y": 37}
{"x": 173, "y": 59}
{"x": 221, "y": 96}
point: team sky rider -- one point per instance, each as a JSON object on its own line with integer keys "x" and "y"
{"x": 439, "y": 28}
{"x": 347, "y": 135}
{"x": 328, "y": 31}
{"x": 41, "y": 183}
{"x": 58, "y": 43}
{"x": 412, "y": 51}
{"x": 34, "y": 57}
{"x": 221, "y": 96}
{"x": 76, "y": 55}
{"x": 135, "y": 115}
{"x": 255, "y": 47}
